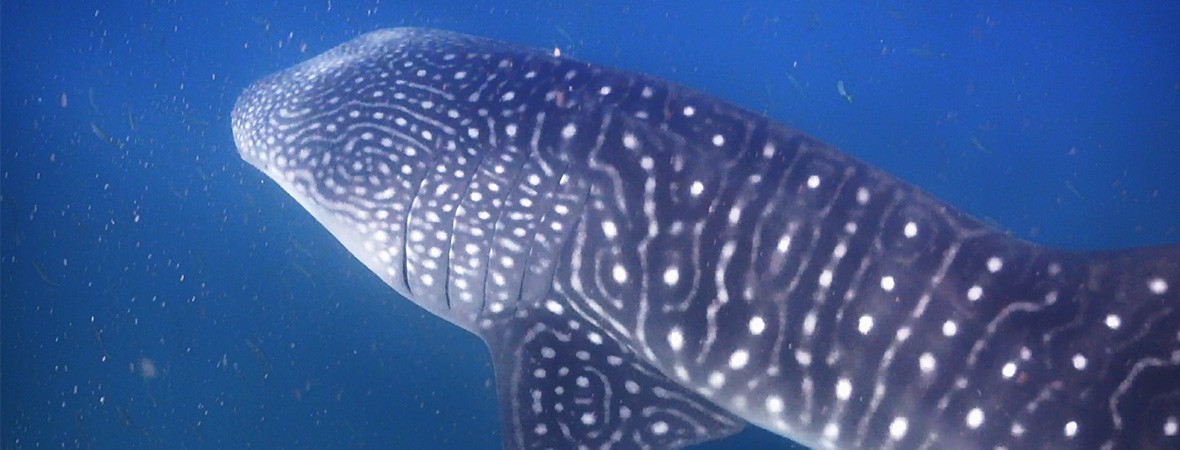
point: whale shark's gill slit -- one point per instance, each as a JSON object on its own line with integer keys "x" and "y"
{"x": 552, "y": 201}
{"x": 415, "y": 198}
{"x": 516, "y": 183}
{"x": 479, "y": 159}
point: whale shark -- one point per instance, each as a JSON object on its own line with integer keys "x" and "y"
{"x": 652, "y": 267}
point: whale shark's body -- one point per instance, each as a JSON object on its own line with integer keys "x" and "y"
{"x": 652, "y": 267}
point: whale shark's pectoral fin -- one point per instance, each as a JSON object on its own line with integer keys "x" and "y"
{"x": 563, "y": 383}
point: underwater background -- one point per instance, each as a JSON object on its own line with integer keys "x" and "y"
{"x": 157, "y": 292}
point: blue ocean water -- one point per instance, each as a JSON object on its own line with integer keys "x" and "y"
{"x": 157, "y": 292}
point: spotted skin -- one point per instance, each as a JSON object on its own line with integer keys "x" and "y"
{"x": 652, "y": 267}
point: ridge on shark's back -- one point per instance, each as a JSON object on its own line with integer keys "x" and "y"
{"x": 652, "y": 267}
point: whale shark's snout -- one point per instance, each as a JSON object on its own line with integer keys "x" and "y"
{"x": 300, "y": 119}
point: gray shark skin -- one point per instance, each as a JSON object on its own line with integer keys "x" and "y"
{"x": 652, "y": 267}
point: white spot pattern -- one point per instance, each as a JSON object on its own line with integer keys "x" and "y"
{"x": 426, "y": 136}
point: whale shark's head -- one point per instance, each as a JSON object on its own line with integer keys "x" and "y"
{"x": 351, "y": 134}
{"x": 397, "y": 142}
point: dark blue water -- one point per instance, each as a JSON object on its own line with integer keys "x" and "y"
{"x": 157, "y": 293}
